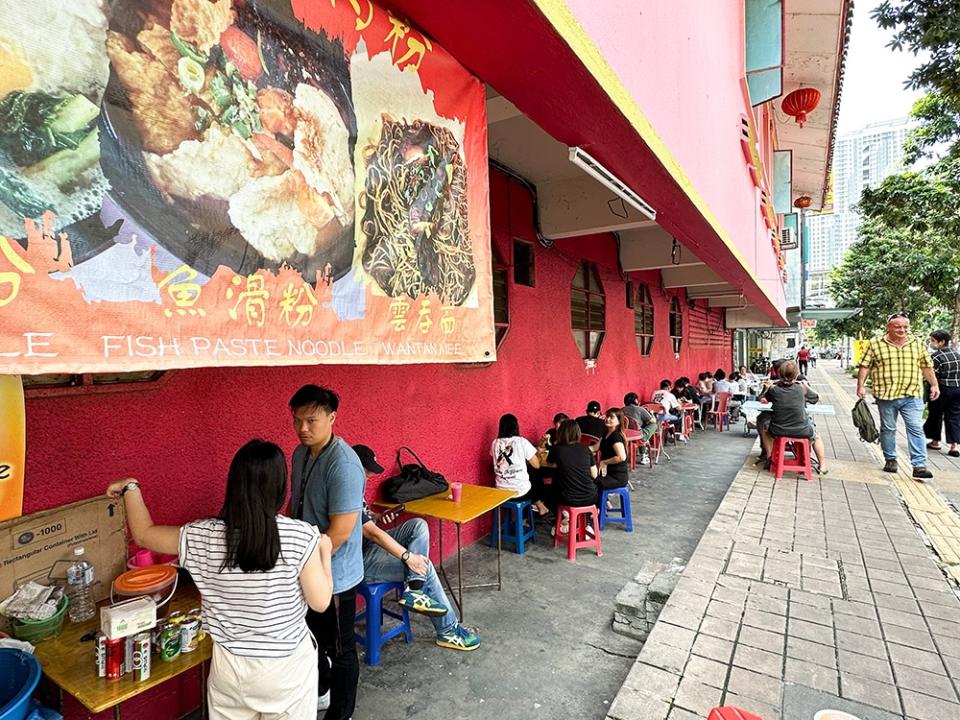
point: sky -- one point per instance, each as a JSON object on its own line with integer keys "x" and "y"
{"x": 873, "y": 80}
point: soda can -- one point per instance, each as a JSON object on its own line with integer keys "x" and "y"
{"x": 198, "y": 616}
{"x": 170, "y": 642}
{"x": 101, "y": 645}
{"x": 128, "y": 654}
{"x": 141, "y": 657}
{"x": 189, "y": 635}
{"x": 114, "y": 658}
{"x": 157, "y": 630}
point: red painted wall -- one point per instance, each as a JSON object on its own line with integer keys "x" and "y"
{"x": 178, "y": 437}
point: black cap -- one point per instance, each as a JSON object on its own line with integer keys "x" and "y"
{"x": 368, "y": 458}
{"x": 593, "y": 406}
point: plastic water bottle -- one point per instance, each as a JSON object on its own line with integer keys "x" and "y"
{"x": 79, "y": 582}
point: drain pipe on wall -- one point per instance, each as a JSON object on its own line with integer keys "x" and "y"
{"x": 532, "y": 188}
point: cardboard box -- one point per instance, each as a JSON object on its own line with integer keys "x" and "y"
{"x": 33, "y": 546}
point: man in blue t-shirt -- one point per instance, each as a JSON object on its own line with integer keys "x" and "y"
{"x": 327, "y": 491}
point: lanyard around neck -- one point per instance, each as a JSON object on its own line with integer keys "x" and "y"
{"x": 305, "y": 474}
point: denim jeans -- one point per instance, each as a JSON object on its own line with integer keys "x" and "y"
{"x": 911, "y": 409}
{"x": 381, "y": 566}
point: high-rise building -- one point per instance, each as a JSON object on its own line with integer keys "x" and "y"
{"x": 860, "y": 159}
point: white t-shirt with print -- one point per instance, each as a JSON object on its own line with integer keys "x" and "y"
{"x": 667, "y": 399}
{"x": 510, "y": 457}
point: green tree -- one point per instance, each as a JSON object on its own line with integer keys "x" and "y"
{"x": 888, "y": 271}
{"x": 908, "y": 256}
{"x": 929, "y": 29}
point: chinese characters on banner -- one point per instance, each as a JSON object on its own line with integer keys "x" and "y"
{"x": 194, "y": 183}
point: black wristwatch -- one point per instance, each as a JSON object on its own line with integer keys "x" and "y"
{"x": 405, "y": 557}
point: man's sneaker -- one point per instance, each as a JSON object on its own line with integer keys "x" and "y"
{"x": 644, "y": 459}
{"x": 890, "y": 466}
{"x": 921, "y": 473}
{"x": 419, "y": 601}
{"x": 459, "y": 638}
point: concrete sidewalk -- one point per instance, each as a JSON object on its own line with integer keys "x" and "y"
{"x": 803, "y": 596}
{"x": 548, "y": 649}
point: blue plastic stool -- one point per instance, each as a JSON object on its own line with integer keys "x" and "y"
{"x": 622, "y": 514}
{"x": 511, "y": 525}
{"x": 372, "y": 615}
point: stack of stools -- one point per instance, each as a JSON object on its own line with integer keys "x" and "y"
{"x": 621, "y": 514}
{"x": 779, "y": 463}
{"x": 372, "y": 615}
{"x": 577, "y": 533}
{"x": 511, "y": 525}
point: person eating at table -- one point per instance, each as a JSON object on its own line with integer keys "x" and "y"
{"x": 402, "y": 554}
{"x": 671, "y": 406}
{"x": 264, "y": 658}
{"x": 592, "y": 423}
{"x": 720, "y": 385}
{"x": 788, "y": 400}
{"x": 645, "y": 421}
{"x": 574, "y": 481}
{"x": 549, "y": 437}
{"x": 612, "y": 468}
{"x": 511, "y": 454}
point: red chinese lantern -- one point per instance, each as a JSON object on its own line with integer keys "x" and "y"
{"x": 801, "y": 103}
{"x": 803, "y": 202}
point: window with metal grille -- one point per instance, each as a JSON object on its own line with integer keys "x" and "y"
{"x": 676, "y": 325}
{"x": 523, "y": 263}
{"x": 628, "y": 285}
{"x": 643, "y": 320}
{"x": 587, "y": 304}
{"x": 501, "y": 310}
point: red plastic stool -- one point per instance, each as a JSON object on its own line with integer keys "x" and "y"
{"x": 779, "y": 464}
{"x": 577, "y": 536}
{"x": 731, "y": 713}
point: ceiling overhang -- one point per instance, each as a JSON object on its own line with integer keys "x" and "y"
{"x": 816, "y": 45}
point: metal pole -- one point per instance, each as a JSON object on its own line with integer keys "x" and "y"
{"x": 460, "y": 570}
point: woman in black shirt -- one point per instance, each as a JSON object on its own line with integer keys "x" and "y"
{"x": 788, "y": 404}
{"x": 613, "y": 452}
{"x": 574, "y": 479}
{"x": 946, "y": 365}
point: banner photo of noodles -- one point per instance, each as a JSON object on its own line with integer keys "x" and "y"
{"x": 188, "y": 183}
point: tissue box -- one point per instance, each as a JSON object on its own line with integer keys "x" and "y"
{"x": 128, "y": 618}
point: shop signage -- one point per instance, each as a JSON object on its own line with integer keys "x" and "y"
{"x": 808, "y": 324}
{"x": 211, "y": 183}
{"x": 12, "y": 446}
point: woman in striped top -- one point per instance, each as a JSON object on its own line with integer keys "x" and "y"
{"x": 257, "y": 571}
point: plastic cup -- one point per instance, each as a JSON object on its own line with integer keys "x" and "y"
{"x": 456, "y": 491}
{"x": 143, "y": 558}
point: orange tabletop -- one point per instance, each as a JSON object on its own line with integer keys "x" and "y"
{"x": 474, "y": 502}
{"x": 71, "y": 664}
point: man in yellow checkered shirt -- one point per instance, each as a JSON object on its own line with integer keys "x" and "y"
{"x": 898, "y": 364}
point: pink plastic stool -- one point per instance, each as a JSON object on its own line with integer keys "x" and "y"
{"x": 577, "y": 536}
{"x": 779, "y": 464}
{"x": 731, "y": 713}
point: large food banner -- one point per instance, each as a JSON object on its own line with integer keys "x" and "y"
{"x": 237, "y": 182}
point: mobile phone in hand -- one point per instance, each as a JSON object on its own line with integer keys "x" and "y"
{"x": 392, "y": 514}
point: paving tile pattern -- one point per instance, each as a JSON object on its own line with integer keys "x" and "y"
{"x": 826, "y": 584}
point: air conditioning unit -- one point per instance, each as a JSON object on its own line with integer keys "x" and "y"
{"x": 788, "y": 239}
